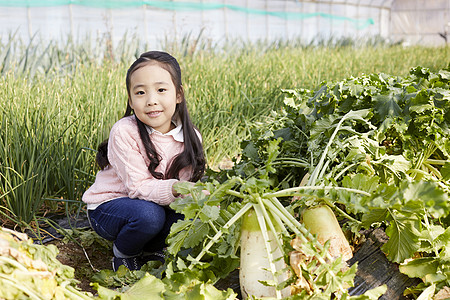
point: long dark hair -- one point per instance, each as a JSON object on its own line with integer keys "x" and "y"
{"x": 192, "y": 154}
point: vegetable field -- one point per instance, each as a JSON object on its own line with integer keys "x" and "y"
{"x": 356, "y": 138}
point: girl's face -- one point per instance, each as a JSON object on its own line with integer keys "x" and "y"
{"x": 153, "y": 96}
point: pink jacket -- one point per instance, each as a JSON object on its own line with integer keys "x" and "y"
{"x": 127, "y": 175}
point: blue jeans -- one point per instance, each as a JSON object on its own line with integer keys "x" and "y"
{"x": 134, "y": 225}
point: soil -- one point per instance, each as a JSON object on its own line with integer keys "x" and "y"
{"x": 85, "y": 260}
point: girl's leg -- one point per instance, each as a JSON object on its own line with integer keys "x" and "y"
{"x": 130, "y": 223}
{"x": 159, "y": 241}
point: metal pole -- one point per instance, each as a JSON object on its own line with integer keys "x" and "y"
{"x": 174, "y": 22}
{"x": 267, "y": 20}
{"x": 72, "y": 31}
{"x": 286, "y": 23}
{"x": 248, "y": 21}
{"x": 203, "y": 16}
{"x": 346, "y": 23}
{"x": 147, "y": 38}
{"x": 330, "y": 11}
{"x": 225, "y": 20}
{"x": 30, "y": 29}
{"x": 379, "y": 18}
{"x": 302, "y": 21}
{"x": 419, "y": 33}
{"x": 316, "y": 6}
{"x": 357, "y": 9}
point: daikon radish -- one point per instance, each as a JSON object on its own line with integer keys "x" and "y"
{"x": 320, "y": 220}
{"x": 255, "y": 260}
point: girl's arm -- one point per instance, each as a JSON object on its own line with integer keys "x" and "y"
{"x": 126, "y": 156}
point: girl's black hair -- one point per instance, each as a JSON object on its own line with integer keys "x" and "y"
{"x": 192, "y": 154}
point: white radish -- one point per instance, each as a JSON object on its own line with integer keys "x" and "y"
{"x": 320, "y": 220}
{"x": 255, "y": 260}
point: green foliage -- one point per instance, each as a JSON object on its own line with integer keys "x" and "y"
{"x": 410, "y": 116}
{"x": 206, "y": 246}
{"x": 123, "y": 279}
{"x": 397, "y": 152}
{"x": 147, "y": 284}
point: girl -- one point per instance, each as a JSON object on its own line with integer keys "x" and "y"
{"x": 151, "y": 148}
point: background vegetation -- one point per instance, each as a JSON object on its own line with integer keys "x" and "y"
{"x": 59, "y": 101}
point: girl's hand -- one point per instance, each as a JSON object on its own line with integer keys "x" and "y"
{"x": 176, "y": 194}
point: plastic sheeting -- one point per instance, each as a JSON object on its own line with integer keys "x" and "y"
{"x": 420, "y": 22}
{"x": 216, "y": 20}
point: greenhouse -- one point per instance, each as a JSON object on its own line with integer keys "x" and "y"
{"x": 399, "y": 21}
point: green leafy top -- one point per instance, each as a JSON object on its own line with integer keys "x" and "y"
{"x": 394, "y": 145}
{"x": 410, "y": 116}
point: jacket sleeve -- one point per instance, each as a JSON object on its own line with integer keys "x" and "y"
{"x": 129, "y": 163}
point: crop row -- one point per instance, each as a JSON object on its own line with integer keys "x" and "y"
{"x": 59, "y": 101}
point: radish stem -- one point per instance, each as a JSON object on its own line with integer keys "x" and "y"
{"x": 217, "y": 236}
{"x": 325, "y": 166}
{"x": 13, "y": 282}
{"x": 344, "y": 170}
{"x": 234, "y": 193}
{"x": 262, "y": 225}
{"x": 341, "y": 212}
{"x": 269, "y": 222}
{"x": 318, "y": 167}
{"x": 292, "y": 191}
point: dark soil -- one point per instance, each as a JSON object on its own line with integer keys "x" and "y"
{"x": 85, "y": 260}
{"x": 79, "y": 247}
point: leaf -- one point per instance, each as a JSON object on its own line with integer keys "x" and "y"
{"x": 149, "y": 287}
{"x": 196, "y": 235}
{"x": 444, "y": 74}
{"x": 209, "y": 213}
{"x": 251, "y": 151}
{"x": 443, "y": 240}
{"x": 186, "y": 234}
{"x": 403, "y": 240}
{"x": 177, "y": 235}
{"x": 372, "y": 294}
{"x": 375, "y": 216}
{"x": 185, "y": 205}
{"x": 396, "y": 164}
{"x": 211, "y": 293}
{"x": 420, "y": 267}
{"x": 105, "y": 293}
{"x": 361, "y": 182}
{"x": 430, "y": 196}
{"x": 429, "y": 238}
{"x": 289, "y": 101}
{"x": 322, "y": 126}
{"x": 445, "y": 171}
{"x": 386, "y": 106}
{"x": 428, "y": 293}
{"x": 183, "y": 187}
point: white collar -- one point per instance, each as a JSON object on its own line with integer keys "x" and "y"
{"x": 177, "y": 132}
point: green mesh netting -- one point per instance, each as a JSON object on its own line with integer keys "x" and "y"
{"x": 183, "y": 6}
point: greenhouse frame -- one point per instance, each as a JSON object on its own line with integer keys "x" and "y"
{"x": 397, "y": 21}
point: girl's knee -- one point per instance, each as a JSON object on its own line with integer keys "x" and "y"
{"x": 150, "y": 218}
